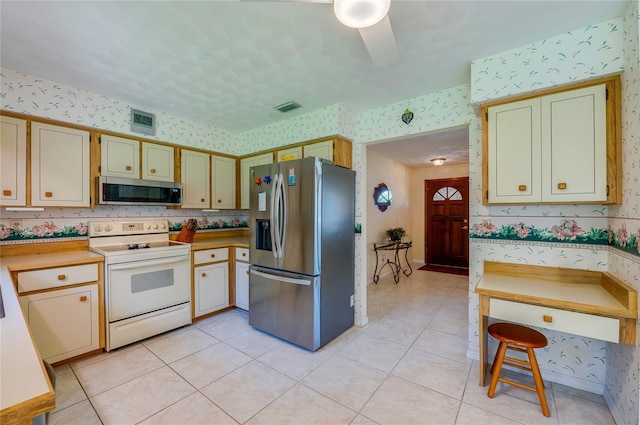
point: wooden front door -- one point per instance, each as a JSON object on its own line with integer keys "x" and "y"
{"x": 447, "y": 221}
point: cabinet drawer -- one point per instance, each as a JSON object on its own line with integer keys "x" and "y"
{"x": 54, "y": 278}
{"x": 597, "y": 327}
{"x": 210, "y": 255}
{"x": 242, "y": 254}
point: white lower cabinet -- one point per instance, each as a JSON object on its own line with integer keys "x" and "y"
{"x": 64, "y": 323}
{"x": 242, "y": 285}
{"x": 211, "y": 288}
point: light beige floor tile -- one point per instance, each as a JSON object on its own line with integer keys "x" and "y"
{"x": 254, "y": 342}
{"x": 346, "y": 381}
{"x": 444, "y": 344}
{"x": 194, "y": 409}
{"x": 68, "y": 390}
{"x": 344, "y": 339}
{"x": 78, "y": 364}
{"x": 362, "y": 420}
{"x": 302, "y": 405}
{"x": 575, "y": 392}
{"x": 400, "y": 402}
{"x": 452, "y": 325}
{"x": 247, "y": 390}
{"x": 142, "y": 397}
{"x": 576, "y": 410}
{"x": 62, "y": 369}
{"x": 294, "y": 361}
{"x": 175, "y": 345}
{"x": 205, "y": 366}
{"x": 375, "y": 352}
{"x": 78, "y": 414}
{"x": 472, "y": 415}
{"x": 404, "y": 333}
{"x": 118, "y": 369}
{"x": 440, "y": 374}
{"x": 225, "y": 325}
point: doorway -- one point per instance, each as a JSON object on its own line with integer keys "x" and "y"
{"x": 447, "y": 222}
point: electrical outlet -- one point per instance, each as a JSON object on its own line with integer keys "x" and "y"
{"x": 16, "y": 224}
{"x": 352, "y": 301}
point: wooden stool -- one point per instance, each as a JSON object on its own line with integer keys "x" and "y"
{"x": 522, "y": 339}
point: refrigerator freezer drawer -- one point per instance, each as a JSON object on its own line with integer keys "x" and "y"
{"x": 286, "y": 306}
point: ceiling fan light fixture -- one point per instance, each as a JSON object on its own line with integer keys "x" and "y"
{"x": 360, "y": 13}
{"x": 438, "y": 161}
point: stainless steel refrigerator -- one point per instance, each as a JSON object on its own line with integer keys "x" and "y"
{"x": 302, "y": 219}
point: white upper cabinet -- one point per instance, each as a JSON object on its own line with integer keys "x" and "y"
{"x": 289, "y": 154}
{"x": 223, "y": 182}
{"x": 196, "y": 182}
{"x": 119, "y": 157}
{"x": 321, "y": 150}
{"x": 245, "y": 165}
{"x": 13, "y": 161}
{"x": 157, "y": 162}
{"x": 59, "y": 166}
{"x": 555, "y": 149}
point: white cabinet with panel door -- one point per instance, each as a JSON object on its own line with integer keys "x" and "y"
{"x": 196, "y": 182}
{"x": 321, "y": 150}
{"x": 157, "y": 162}
{"x": 336, "y": 150}
{"x": 245, "y": 166}
{"x": 210, "y": 281}
{"x": 119, "y": 157}
{"x": 59, "y": 166}
{"x": 223, "y": 182}
{"x": 242, "y": 278}
{"x": 548, "y": 149}
{"x": 13, "y": 162}
{"x": 289, "y": 154}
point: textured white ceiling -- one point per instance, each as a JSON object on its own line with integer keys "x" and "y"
{"x": 227, "y": 63}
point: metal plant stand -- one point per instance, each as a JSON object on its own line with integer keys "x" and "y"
{"x": 395, "y": 264}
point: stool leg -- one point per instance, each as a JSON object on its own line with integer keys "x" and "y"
{"x": 537, "y": 377}
{"x": 496, "y": 368}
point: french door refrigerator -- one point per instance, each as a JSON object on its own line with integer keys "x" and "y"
{"x": 302, "y": 241}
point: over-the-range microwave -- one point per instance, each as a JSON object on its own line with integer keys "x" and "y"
{"x": 123, "y": 191}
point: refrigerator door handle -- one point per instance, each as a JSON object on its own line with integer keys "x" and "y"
{"x": 272, "y": 217}
{"x": 282, "y": 278}
{"x": 283, "y": 217}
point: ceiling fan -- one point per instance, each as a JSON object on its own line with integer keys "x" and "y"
{"x": 370, "y": 18}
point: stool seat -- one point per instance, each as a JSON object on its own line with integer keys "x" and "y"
{"x": 521, "y": 339}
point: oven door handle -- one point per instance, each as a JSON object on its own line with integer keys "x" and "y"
{"x": 145, "y": 263}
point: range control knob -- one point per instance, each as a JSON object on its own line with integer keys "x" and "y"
{"x": 148, "y": 226}
{"x": 155, "y": 226}
{"x": 98, "y": 228}
{"x": 163, "y": 226}
{"x": 108, "y": 228}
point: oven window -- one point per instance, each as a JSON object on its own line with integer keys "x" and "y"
{"x": 151, "y": 280}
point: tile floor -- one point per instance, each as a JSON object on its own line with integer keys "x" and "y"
{"x": 407, "y": 366}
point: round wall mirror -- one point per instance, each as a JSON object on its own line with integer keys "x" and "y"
{"x": 382, "y": 197}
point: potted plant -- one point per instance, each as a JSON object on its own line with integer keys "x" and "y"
{"x": 395, "y": 234}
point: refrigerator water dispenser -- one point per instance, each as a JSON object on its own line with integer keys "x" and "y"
{"x": 263, "y": 234}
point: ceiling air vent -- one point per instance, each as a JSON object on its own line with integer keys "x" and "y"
{"x": 287, "y": 106}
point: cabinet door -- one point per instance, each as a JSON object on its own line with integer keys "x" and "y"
{"x": 574, "y": 146}
{"x": 321, "y": 150}
{"x": 245, "y": 165}
{"x": 242, "y": 286}
{"x": 514, "y": 152}
{"x": 211, "y": 288}
{"x": 195, "y": 179}
{"x": 119, "y": 157}
{"x": 13, "y": 161}
{"x": 223, "y": 182}
{"x": 63, "y": 323}
{"x": 289, "y": 154}
{"x": 59, "y": 166}
{"x": 157, "y": 162}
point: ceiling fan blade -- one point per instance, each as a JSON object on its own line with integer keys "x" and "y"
{"x": 380, "y": 42}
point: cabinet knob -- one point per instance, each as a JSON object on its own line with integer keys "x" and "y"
{"x": 244, "y": 254}
{"x": 201, "y": 199}
{"x": 128, "y": 168}
{"x": 6, "y": 192}
{"x": 522, "y": 187}
{"x": 152, "y": 171}
{"x": 62, "y": 277}
{"x": 83, "y": 298}
{"x": 204, "y": 275}
{"x": 562, "y": 186}
{"x": 219, "y": 201}
{"x": 48, "y": 194}
{"x": 547, "y": 319}
{"x": 213, "y": 255}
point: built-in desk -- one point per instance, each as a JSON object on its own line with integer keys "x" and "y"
{"x": 581, "y": 302}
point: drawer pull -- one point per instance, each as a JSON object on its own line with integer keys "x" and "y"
{"x": 244, "y": 254}
{"x": 201, "y": 199}
{"x": 213, "y": 255}
{"x": 128, "y": 168}
{"x": 219, "y": 201}
{"x": 522, "y": 187}
{"x": 204, "y": 275}
{"x": 48, "y": 194}
{"x": 152, "y": 171}
{"x": 562, "y": 186}
{"x": 83, "y": 298}
{"x": 6, "y": 192}
{"x": 62, "y": 277}
{"x": 547, "y": 318}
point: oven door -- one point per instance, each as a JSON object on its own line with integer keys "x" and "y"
{"x": 143, "y": 286}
